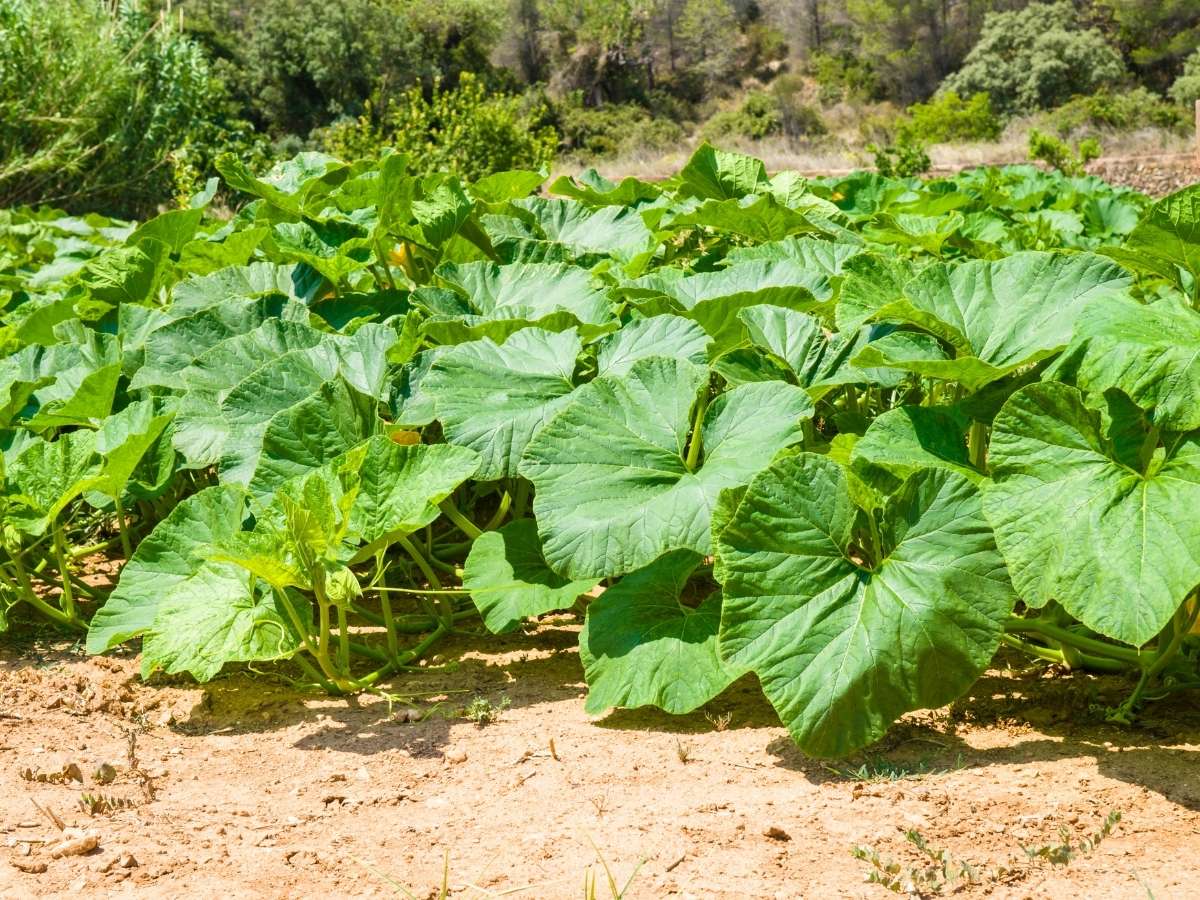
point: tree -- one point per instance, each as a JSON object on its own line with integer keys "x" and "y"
{"x": 1156, "y": 35}
{"x": 1186, "y": 89}
{"x": 1036, "y": 58}
{"x": 708, "y": 37}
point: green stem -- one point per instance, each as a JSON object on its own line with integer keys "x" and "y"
{"x": 60, "y": 553}
{"x": 852, "y": 406}
{"x": 91, "y": 549}
{"x": 123, "y": 528}
{"x": 411, "y": 549}
{"x": 364, "y": 650}
{"x": 55, "y": 615}
{"x": 450, "y": 592}
{"x": 343, "y": 639}
{"x": 389, "y": 623}
{"x": 325, "y": 685}
{"x": 693, "y": 450}
{"x": 977, "y": 445}
{"x": 521, "y": 504}
{"x": 501, "y": 511}
{"x": 469, "y": 528}
{"x": 1082, "y": 660}
{"x": 1170, "y": 641}
{"x": 1129, "y": 656}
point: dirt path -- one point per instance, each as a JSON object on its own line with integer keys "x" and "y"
{"x": 259, "y": 792}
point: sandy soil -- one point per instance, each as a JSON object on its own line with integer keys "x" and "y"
{"x": 243, "y": 788}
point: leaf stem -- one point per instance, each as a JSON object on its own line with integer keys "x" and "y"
{"x": 693, "y": 450}
{"x": 64, "y": 572}
{"x": 1127, "y": 655}
{"x": 977, "y": 445}
{"x": 465, "y": 525}
{"x": 123, "y": 527}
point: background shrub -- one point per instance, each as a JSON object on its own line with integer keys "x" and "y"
{"x": 95, "y": 98}
{"x": 464, "y": 130}
{"x": 1036, "y": 58}
{"x": 1186, "y": 88}
{"x": 949, "y": 117}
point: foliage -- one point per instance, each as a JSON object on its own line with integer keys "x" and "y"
{"x": 1186, "y": 88}
{"x": 296, "y": 66}
{"x": 1155, "y": 34}
{"x": 755, "y": 118}
{"x": 1036, "y": 58}
{"x": 1115, "y": 110}
{"x": 464, "y": 130}
{"x": 850, "y": 434}
{"x": 1058, "y": 154}
{"x": 904, "y": 158}
{"x": 612, "y": 129}
{"x": 95, "y": 101}
{"x": 949, "y": 117}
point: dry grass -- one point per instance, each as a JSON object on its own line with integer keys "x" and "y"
{"x": 844, "y": 150}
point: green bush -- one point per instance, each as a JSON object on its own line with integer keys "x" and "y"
{"x": 1186, "y": 88}
{"x": 1036, "y": 58}
{"x": 843, "y": 76}
{"x": 905, "y": 158}
{"x": 1058, "y": 154}
{"x": 798, "y": 118}
{"x": 755, "y": 118}
{"x": 613, "y": 129}
{"x": 466, "y": 130}
{"x": 94, "y": 101}
{"x": 949, "y": 117}
{"x": 296, "y": 66}
{"x": 1122, "y": 111}
{"x": 762, "y": 114}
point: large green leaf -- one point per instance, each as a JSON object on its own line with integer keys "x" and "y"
{"x": 305, "y": 436}
{"x": 122, "y": 441}
{"x": 907, "y": 439}
{"x": 1151, "y": 352}
{"x": 616, "y": 231}
{"x": 998, "y": 316}
{"x": 714, "y": 299}
{"x": 845, "y": 640}
{"x": 527, "y": 290}
{"x": 720, "y": 175}
{"x": 614, "y": 490}
{"x": 400, "y": 487}
{"x": 509, "y": 579}
{"x": 594, "y": 189}
{"x": 818, "y": 361}
{"x": 48, "y": 476}
{"x": 1083, "y": 520}
{"x": 761, "y": 218}
{"x": 641, "y": 646}
{"x": 494, "y": 398}
{"x": 1167, "y": 239}
{"x": 664, "y": 335}
{"x": 195, "y": 614}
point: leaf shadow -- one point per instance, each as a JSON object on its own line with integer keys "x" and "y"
{"x": 514, "y": 670}
{"x": 1046, "y": 720}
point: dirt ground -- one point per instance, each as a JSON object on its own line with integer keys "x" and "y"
{"x": 244, "y": 788}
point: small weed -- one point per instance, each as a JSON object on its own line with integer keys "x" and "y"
{"x": 601, "y": 804}
{"x": 103, "y": 804}
{"x": 938, "y": 872}
{"x": 719, "y": 721}
{"x": 589, "y": 878}
{"x": 1062, "y": 853}
{"x": 877, "y": 769}
{"x": 683, "y": 751}
{"x": 483, "y": 711}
